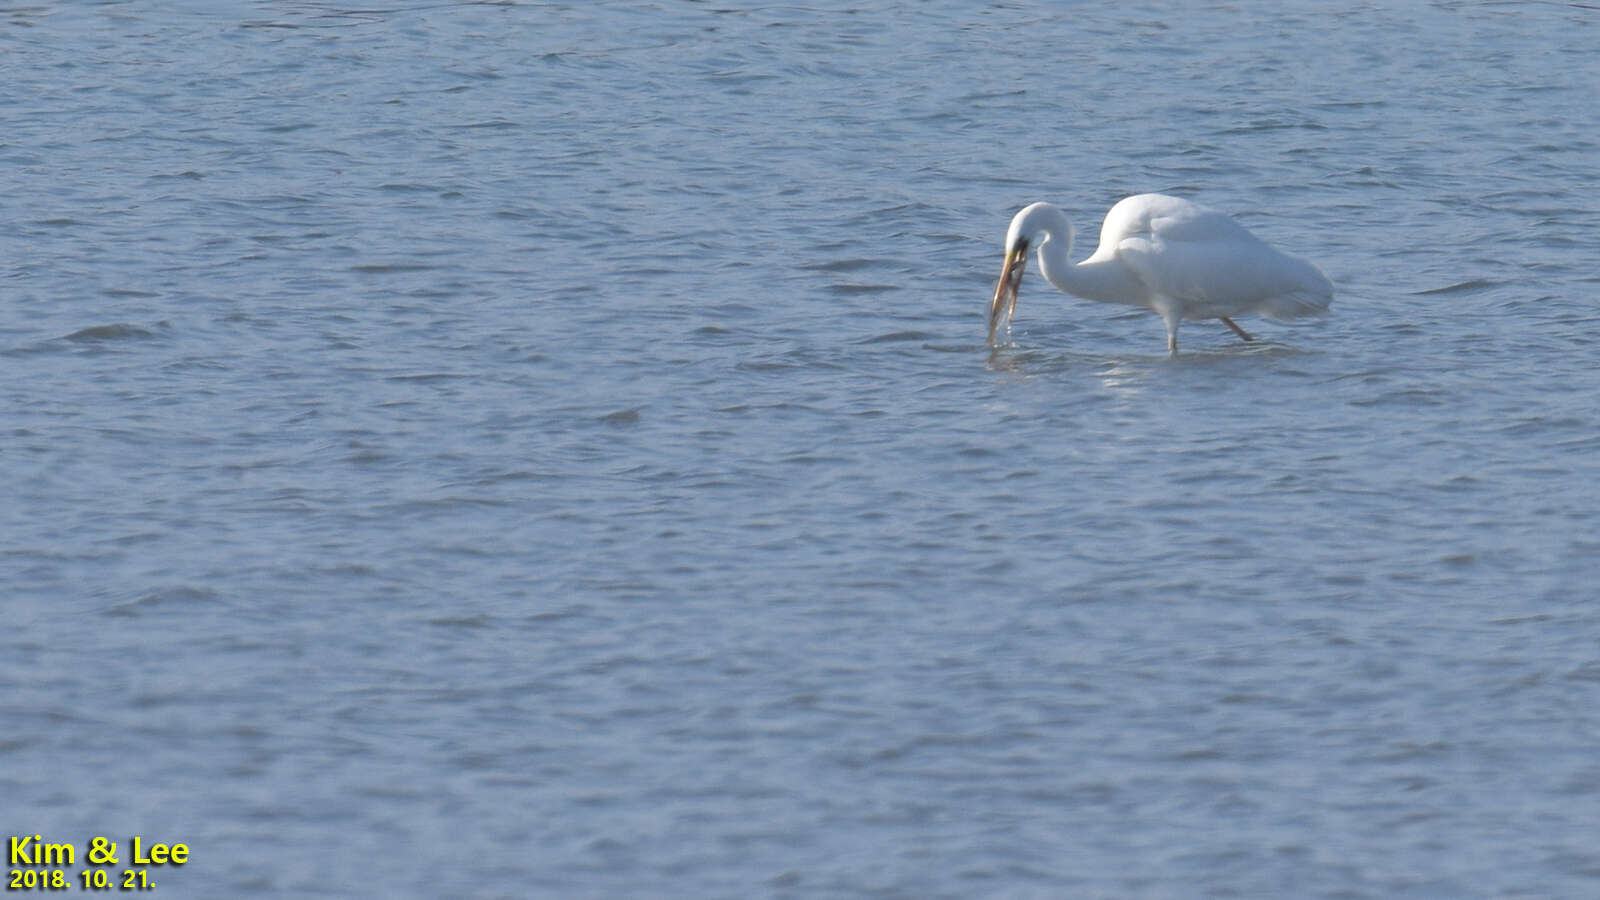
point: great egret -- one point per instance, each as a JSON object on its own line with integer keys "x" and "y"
{"x": 1176, "y": 258}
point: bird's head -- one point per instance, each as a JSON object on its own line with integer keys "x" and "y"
{"x": 1035, "y": 224}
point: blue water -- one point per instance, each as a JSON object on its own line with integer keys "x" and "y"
{"x": 509, "y": 450}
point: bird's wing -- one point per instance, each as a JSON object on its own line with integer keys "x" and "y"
{"x": 1214, "y": 267}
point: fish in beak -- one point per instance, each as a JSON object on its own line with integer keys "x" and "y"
{"x": 1005, "y": 290}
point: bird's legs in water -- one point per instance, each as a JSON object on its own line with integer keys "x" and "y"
{"x": 1170, "y": 316}
{"x": 1236, "y": 329}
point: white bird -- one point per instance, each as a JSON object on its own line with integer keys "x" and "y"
{"x": 1176, "y": 258}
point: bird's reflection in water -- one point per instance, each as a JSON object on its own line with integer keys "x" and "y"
{"x": 1129, "y": 374}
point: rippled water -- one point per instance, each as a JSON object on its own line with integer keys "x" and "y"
{"x": 549, "y": 450}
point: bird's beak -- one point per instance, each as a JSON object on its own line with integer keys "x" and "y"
{"x": 1005, "y": 290}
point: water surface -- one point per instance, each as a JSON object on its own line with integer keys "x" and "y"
{"x": 517, "y": 450}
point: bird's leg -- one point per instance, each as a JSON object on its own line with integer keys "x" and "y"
{"x": 1169, "y": 314}
{"x": 1236, "y": 329}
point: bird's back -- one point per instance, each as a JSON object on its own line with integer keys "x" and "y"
{"x": 1208, "y": 262}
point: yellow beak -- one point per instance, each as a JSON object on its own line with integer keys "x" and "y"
{"x": 1004, "y": 303}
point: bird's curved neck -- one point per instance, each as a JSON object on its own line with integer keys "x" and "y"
{"x": 1092, "y": 279}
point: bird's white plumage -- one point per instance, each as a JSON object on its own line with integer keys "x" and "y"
{"x": 1179, "y": 259}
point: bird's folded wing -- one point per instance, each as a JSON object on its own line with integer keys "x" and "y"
{"x": 1229, "y": 274}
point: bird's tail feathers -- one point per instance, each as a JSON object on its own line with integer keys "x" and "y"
{"x": 1296, "y": 305}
